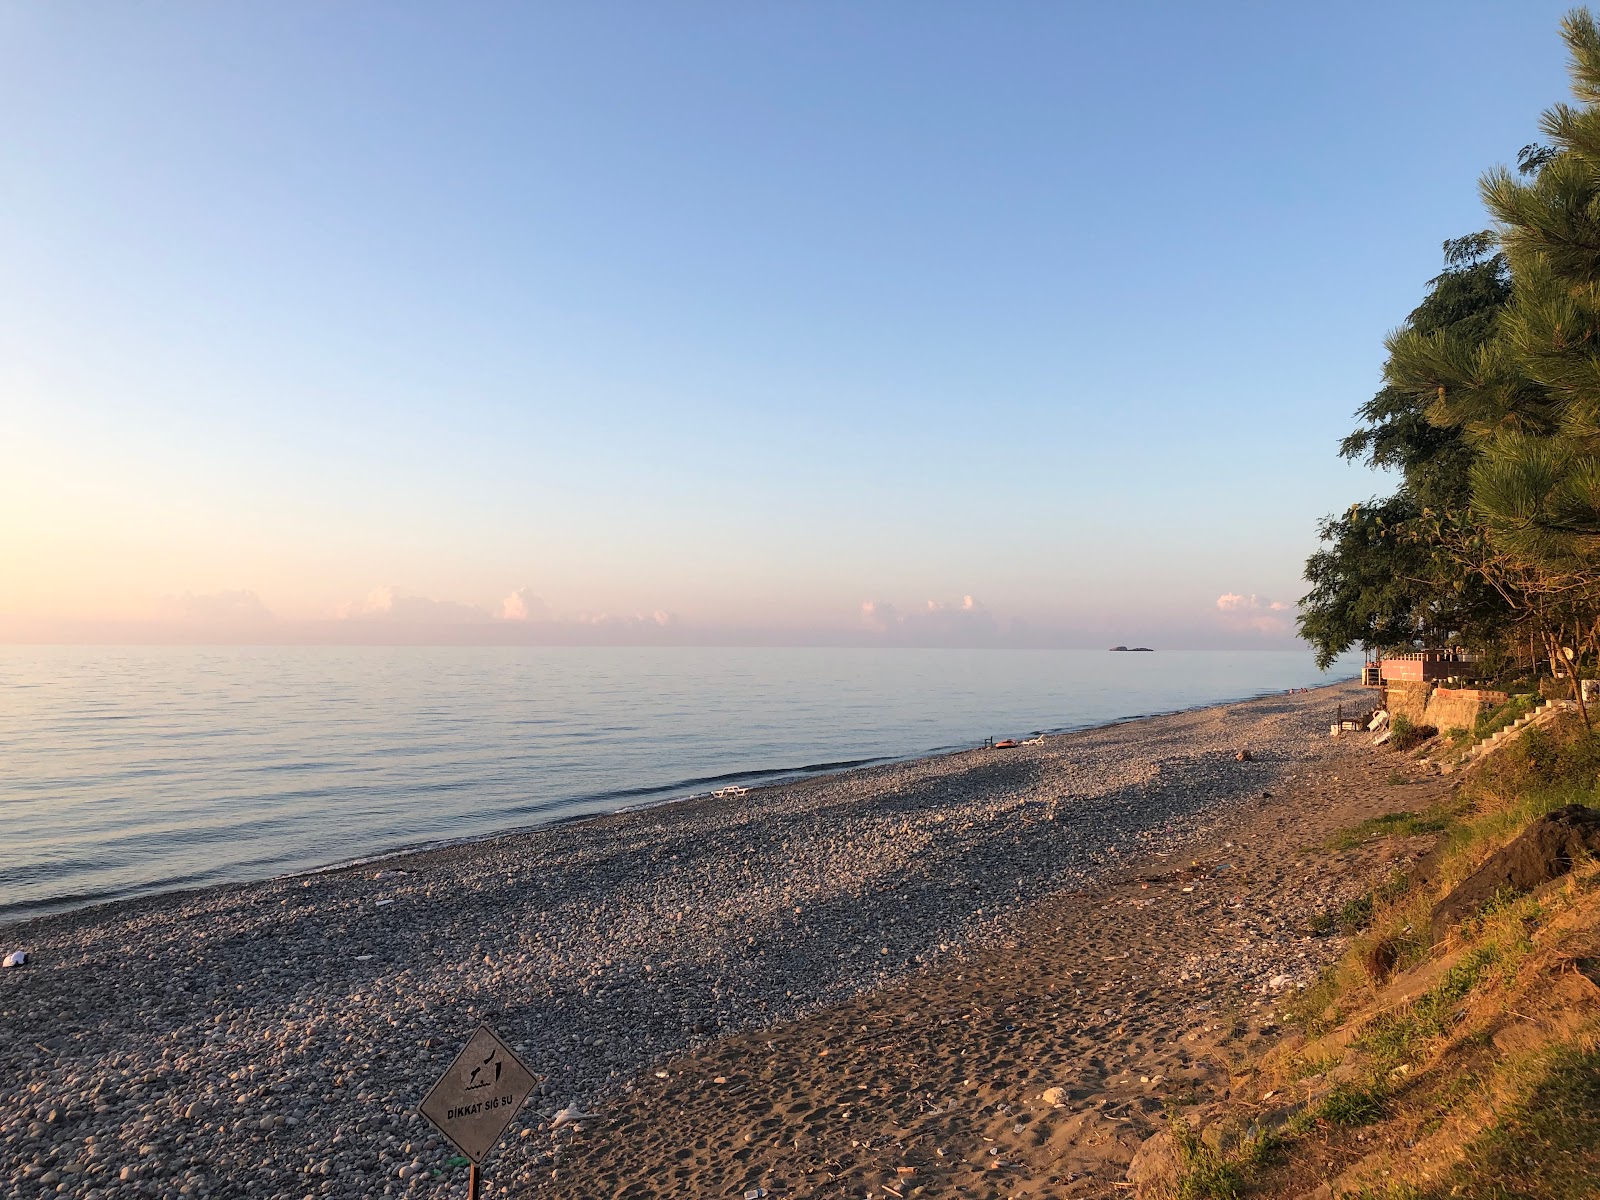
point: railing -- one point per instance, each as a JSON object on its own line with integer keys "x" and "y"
{"x": 1444, "y": 656}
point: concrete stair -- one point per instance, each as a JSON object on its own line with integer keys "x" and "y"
{"x": 1495, "y": 739}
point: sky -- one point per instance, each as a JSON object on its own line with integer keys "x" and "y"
{"x": 729, "y": 323}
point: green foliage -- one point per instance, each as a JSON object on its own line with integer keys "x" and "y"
{"x": 1526, "y": 398}
{"x": 1356, "y": 914}
{"x": 1391, "y": 1191}
{"x": 1410, "y": 737}
{"x": 1260, "y": 1148}
{"x": 1547, "y": 756}
{"x": 1463, "y": 302}
{"x": 1393, "y": 888}
{"x": 1379, "y": 580}
{"x": 1490, "y": 413}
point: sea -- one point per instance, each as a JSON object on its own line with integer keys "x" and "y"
{"x": 131, "y": 770}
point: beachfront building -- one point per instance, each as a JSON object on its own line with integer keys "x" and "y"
{"x": 1431, "y": 687}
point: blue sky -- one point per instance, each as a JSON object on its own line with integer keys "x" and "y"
{"x": 715, "y": 321}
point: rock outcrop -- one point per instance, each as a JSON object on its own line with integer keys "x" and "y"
{"x": 1543, "y": 851}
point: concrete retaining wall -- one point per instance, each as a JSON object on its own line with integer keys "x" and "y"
{"x": 1459, "y": 708}
{"x": 1408, "y": 698}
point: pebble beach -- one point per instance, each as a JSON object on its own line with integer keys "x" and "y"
{"x": 273, "y": 1039}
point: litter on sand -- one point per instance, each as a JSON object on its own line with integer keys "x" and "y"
{"x": 570, "y": 1115}
{"x": 17, "y": 958}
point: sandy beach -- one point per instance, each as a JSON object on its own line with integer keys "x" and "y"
{"x": 865, "y": 984}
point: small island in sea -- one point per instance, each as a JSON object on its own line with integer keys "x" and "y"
{"x": 1132, "y": 650}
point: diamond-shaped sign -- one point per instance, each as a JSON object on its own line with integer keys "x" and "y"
{"x": 478, "y": 1094}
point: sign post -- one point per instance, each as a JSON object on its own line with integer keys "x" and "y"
{"x": 476, "y": 1097}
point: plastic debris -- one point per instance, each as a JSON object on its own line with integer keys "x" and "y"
{"x": 17, "y": 958}
{"x": 570, "y": 1115}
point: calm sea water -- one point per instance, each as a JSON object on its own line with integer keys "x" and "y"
{"x": 129, "y": 770}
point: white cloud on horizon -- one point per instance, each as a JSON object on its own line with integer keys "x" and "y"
{"x": 657, "y": 620}
{"x": 1233, "y": 602}
{"x": 523, "y": 605}
{"x": 389, "y": 603}
{"x": 958, "y": 621}
{"x": 1270, "y": 617}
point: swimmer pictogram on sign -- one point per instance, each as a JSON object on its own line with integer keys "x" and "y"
{"x": 478, "y": 1095}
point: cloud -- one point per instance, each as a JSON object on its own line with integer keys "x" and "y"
{"x": 1233, "y": 602}
{"x": 391, "y": 604}
{"x": 216, "y": 608}
{"x": 521, "y": 615}
{"x": 937, "y": 622}
{"x": 1255, "y": 612}
{"x": 876, "y": 614}
{"x": 651, "y": 620}
{"x": 523, "y": 605}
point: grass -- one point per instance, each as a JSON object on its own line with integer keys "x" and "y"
{"x": 1355, "y": 915}
{"x": 1349, "y": 1106}
{"x": 1416, "y": 1065}
{"x": 1498, "y": 718}
{"x": 1203, "y": 1173}
{"x": 1401, "y": 1037}
{"x": 1547, "y": 1147}
{"x": 1395, "y": 824}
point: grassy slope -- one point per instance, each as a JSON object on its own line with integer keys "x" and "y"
{"x": 1469, "y": 1068}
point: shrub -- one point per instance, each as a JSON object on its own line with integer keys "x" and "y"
{"x": 1411, "y": 736}
{"x": 1356, "y": 914}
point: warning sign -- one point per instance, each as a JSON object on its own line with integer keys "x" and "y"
{"x": 478, "y": 1094}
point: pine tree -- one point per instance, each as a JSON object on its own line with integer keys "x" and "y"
{"x": 1528, "y": 398}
